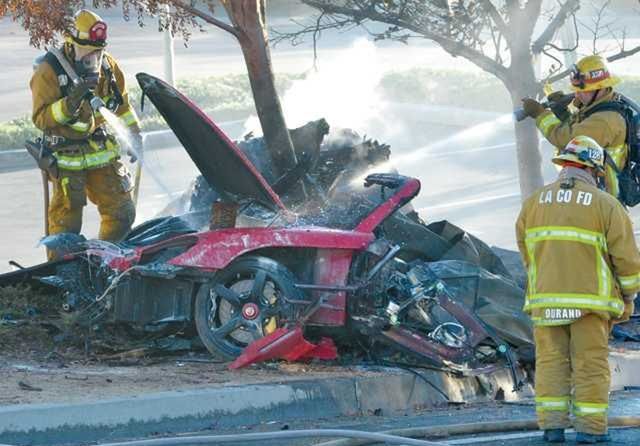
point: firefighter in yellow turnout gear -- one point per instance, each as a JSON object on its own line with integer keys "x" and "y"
{"x": 583, "y": 273}
{"x": 87, "y": 154}
{"x": 592, "y": 82}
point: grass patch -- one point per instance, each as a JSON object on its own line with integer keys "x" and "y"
{"x": 14, "y": 133}
{"x": 221, "y": 97}
{"x": 446, "y": 87}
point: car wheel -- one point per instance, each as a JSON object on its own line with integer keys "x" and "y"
{"x": 242, "y": 303}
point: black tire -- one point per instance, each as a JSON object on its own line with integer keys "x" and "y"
{"x": 221, "y": 305}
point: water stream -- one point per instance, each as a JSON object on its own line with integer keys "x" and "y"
{"x": 484, "y": 129}
{"x": 125, "y": 137}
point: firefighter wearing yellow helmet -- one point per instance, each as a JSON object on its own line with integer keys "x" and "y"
{"x": 593, "y": 85}
{"x": 583, "y": 269}
{"x": 63, "y": 86}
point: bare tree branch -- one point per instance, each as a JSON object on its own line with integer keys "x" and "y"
{"x": 206, "y": 17}
{"x": 569, "y": 49}
{"x": 497, "y": 18}
{"x": 455, "y": 47}
{"x": 496, "y": 38}
{"x": 567, "y": 9}
{"x": 624, "y": 53}
{"x": 597, "y": 25}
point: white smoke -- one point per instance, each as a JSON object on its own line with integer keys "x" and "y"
{"x": 344, "y": 91}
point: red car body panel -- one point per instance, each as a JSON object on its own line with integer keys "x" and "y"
{"x": 331, "y": 268}
{"x": 288, "y": 344}
{"x": 217, "y": 249}
{"x": 409, "y": 190}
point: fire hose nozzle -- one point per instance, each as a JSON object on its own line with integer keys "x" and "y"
{"x": 96, "y": 103}
{"x": 519, "y": 114}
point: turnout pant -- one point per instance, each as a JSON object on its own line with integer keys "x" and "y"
{"x": 109, "y": 188}
{"x": 573, "y": 357}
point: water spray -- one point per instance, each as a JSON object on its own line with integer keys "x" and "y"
{"x": 486, "y": 128}
{"x": 125, "y": 136}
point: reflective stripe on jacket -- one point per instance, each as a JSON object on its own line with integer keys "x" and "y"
{"x": 51, "y": 114}
{"x": 608, "y": 128}
{"x": 94, "y": 157}
{"x": 581, "y": 256}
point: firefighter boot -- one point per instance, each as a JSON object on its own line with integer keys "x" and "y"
{"x": 554, "y": 436}
{"x": 583, "y": 438}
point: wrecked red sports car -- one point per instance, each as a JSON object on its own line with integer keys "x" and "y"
{"x": 345, "y": 268}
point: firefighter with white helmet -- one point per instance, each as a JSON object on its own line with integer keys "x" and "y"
{"x": 64, "y": 85}
{"x": 583, "y": 269}
{"x": 593, "y": 85}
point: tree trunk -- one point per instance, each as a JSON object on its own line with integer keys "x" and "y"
{"x": 248, "y": 17}
{"x": 528, "y": 150}
{"x": 522, "y": 83}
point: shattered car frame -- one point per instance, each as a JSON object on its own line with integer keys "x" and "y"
{"x": 293, "y": 287}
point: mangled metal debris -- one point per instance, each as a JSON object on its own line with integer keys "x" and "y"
{"x": 350, "y": 266}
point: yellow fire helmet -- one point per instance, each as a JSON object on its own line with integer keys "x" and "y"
{"x": 581, "y": 150}
{"x": 591, "y": 73}
{"x": 89, "y": 30}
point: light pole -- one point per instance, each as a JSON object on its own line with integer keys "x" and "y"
{"x": 169, "y": 53}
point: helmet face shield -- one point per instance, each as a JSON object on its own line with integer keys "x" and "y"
{"x": 577, "y": 78}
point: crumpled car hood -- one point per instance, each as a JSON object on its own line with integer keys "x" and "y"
{"x": 221, "y": 162}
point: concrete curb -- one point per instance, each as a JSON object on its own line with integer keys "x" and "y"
{"x": 624, "y": 369}
{"x": 228, "y": 407}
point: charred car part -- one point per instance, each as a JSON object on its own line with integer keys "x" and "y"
{"x": 353, "y": 261}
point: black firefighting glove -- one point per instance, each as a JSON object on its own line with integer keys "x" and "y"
{"x": 559, "y": 103}
{"x": 77, "y": 93}
{"x": 556, "y": 96}
{"x": 532, "y": 107}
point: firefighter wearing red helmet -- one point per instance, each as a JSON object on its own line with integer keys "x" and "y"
{"x": 86, "y": 151}
{"x": 583, "y": 270}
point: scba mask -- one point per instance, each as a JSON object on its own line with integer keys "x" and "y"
{"x": 88, "y": 65}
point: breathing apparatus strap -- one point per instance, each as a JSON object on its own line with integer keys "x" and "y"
{"x": 63, "y": 65}
{"x": 63, "y": 77}
{"x": 113, "y": 85}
